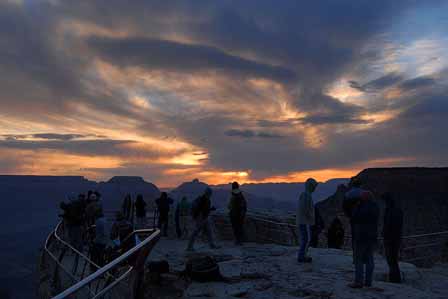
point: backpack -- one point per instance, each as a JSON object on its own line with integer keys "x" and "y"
{"x": 202, "y": 268}
{"x": 74, "y": 213}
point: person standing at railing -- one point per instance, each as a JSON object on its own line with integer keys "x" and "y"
{"x": 100, "y": 241}
{"x": 237, "y": 213}
{"x": 140, "y": 211}
{"x": 392, "y": 233}
{"x": 200, "y": 211}
{"x": 305, "y": 218}
{"x": 163, "y": 205}
{"x": 182, "y": 214}
{"x": 351, "y": 199}
{"x": 365, "y": 237}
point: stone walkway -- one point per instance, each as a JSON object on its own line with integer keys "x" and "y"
{"x": 270, "y": 271}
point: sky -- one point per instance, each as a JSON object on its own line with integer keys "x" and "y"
{"x": 254, "y": 91}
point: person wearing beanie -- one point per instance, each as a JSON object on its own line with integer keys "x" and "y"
{"x": 237, "y": 213}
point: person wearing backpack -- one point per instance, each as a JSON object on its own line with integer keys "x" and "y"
{"x": 237, "y": 213}
{"x": 74, "y": 213}
{"x": 305, "y": 219}
{"x": 200, "y": 211}
{"x": 122, "y": 230}
{"x": 163, "y": 205}
{"x": 100, "y": 241}
{"x": 140, "y": 211}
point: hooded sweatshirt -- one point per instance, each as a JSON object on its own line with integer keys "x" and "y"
{"x": 305, "y": 207}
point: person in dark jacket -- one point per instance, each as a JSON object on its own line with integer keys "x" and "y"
{"x": 237, "y": 213}
{"x": 126, "y": 207}
{"x": 351, "y": 199}
{"x": 392, "y": 233}
{"x": 200, "y": 210}
{"x": 163, "y": 206}
{"x": 336, "y": 234}
{"x": 365, "y": 234}
{"x": 140, "y": 211}
{"x": 316, "y": 229}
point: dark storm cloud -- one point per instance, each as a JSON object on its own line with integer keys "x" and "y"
{"x": 98, "y": 147}
{"x": 302, "y": 46}
{"x": 168, "y": 55}
{"x": 378, "y": 84}
{"x": 251, "y": 134}
{"x": 325, "y": 109}
{"x": 332, "y": 118}
{"x": 50, "y": 136}
{"x": 417, "y": 83}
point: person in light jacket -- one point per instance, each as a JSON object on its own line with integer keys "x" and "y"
{"x": 305, "y": 219}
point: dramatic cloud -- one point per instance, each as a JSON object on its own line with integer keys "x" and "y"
{"x": 252, "y": 91}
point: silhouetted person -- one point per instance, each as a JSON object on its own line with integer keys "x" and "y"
{"x": 140, "y": 211}
{"x": 163, "y": 205}
{"x": 100, "y": 241}
{"x": 365, "y": 234}
{"x": 237, "y": 213}
{"x": 200, "y": 211}
{"x": 305, "y": 219}
{"x": 351, "y": 199}
{"x": 336, "y": 234}
{"x": 122, "y": 230}
{"x": 92, "y": 206}
{"x": 74, "y": 221}
{"x": 392, "y": 233}
{"x": 182, "y": 214}
{"x": 316, "y": 229}
{"x": 126, "y": 207}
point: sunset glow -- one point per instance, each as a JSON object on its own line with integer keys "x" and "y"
{"x": 225, "y": 91}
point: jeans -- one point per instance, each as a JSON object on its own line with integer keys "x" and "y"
{"x": 392, "y": 250}
{"x": 305, "y": 237}
{"x": 363, "y": 256}
{"x": 201, "y": 225}
{"x": 163, "y": 221}
{"x": 238, "y": 229}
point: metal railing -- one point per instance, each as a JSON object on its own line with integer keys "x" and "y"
{"x": 68, "y": 273}
{"x": 415, "y": 248}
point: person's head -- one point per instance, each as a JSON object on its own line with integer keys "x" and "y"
{"x": 184, "y": 198}
{"x": 388, "y": 199}
{"x": 356, "y": 182}
{"x": 208, "y": 192}
{"x": 93, "y": 197}
{"x": 235, "y": 185}
{"x": 311, "y": 185}
{"x": 164, "y": 195}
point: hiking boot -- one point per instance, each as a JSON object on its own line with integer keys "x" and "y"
{"x": 355, "y": 285}
{"x": 305, "y": 260}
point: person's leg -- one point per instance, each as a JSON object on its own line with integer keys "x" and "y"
{"x": 194, "y": 234}
{"x": 242, "y": 231}
{"x": 234, "y": 223}
{"x": 370, "y": 265}
{"x": 304, "y": 239}
{"x": 209, "y": 234}
{"x": 394, "y": 252}
{"x": 358, "y": 253}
